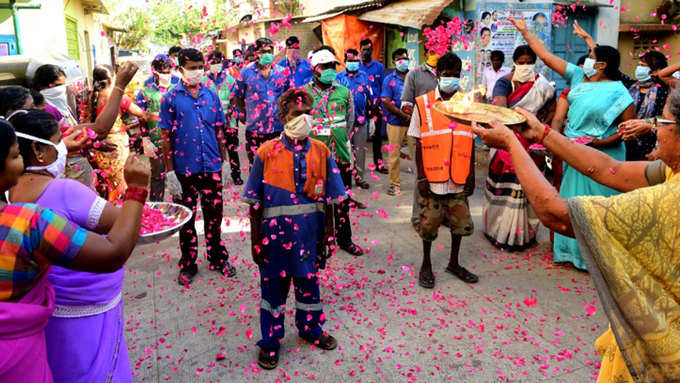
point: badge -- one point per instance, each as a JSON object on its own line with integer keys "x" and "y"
{"x": 318, "y": 188}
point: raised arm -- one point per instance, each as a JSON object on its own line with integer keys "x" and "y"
{"x": 578, "y": 31}
{"x": 109, "y": 114}
{"x": 553, "y": 62}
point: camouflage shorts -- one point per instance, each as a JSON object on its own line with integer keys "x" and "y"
{"x": 435, "y": 209}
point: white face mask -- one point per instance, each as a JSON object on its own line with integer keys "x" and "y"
{"x": 164, "y": 79}
{"x": 57, "y": 167}
{"x": 215, "y": 68}
{"x": 56, "y": 96}
{"x": 299, "y": 127}
{"x": 524, "y": 73}
{"x": 192, "y": 77}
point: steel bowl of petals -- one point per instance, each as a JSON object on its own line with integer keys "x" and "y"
{"x": 467, "y": 113}
{"x": 161, "y": 220}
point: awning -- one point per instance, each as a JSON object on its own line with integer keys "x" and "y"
{"x": 635, "y": 28}
{"x": 321, "y": 17}
{"x": 407, "y": 13}
{"x": 114, "y": 28}
{"x": 351, "y": 6}
{"x": 94, "y": 6}
{"x": 584, "y": 3}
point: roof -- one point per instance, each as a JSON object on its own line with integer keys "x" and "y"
{"x": 407, "y": 13}
{"x": 114, "y": 28}
{"x": 585, "y": 3}
{"x": 340, "y": 9}
{"x": 95, "y": 6}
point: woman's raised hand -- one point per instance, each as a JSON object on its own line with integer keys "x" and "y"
{"x": 520, "y": 24}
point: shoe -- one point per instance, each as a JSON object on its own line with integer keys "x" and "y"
{"x": 225, "y": 269}
{"x": 357, "y": 204}
{"x": 268, "y": 359}
{"x": 237, "y": 180}
{"x": 382, "y": 170}
{"x": 324, "y": 342}
{"x": 362, "y": 184}
{"x": 186, "y": 275}
{"x": 353, "y": 249}
{"x": 463, "y": 274}
{"x": 393, "y": 190}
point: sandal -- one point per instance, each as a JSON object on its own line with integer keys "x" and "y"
{"x": 324, "y": 342}
{"x": 426, "y": 282}
{"x": 268, "y": 359}
{"x": 353, "y": 249}
{"x": 463, "y": 274}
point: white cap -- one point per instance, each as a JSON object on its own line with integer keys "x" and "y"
{"x": 323, "y": 57}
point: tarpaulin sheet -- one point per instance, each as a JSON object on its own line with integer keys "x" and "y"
{"x": 344, "y": 32}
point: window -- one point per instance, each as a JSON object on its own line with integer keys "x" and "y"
{"x": 72, "y": 38}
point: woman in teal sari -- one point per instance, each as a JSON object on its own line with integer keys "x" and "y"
{"x": 598, "y": 102}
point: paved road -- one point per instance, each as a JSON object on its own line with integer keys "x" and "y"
{"x": 525, "y": 321}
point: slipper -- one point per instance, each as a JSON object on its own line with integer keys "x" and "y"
{"x": 268, "y": 359}
{"x": 426, "y": 283}
{"x": 324, "y": 342}
{"x": 463, "y": 274}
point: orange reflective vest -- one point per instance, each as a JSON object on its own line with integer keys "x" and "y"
{"x": 446, "y": 145}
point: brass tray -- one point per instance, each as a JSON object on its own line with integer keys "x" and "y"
{"x": 178, "y": 213}
{"x": 481, "y": 113}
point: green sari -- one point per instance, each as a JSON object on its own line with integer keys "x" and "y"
{"x": 631, "y": 245}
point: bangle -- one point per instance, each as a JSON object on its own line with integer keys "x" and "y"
{"x": 136, "y": 194}
{"x": 545, "y": 134}
{"x": 120, "y": 89}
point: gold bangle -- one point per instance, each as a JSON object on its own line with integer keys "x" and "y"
{"x": 120, "y": 89}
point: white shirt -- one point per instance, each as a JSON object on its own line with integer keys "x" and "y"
{"x": 489, "y": 78}
{"x": 439, "y": 188}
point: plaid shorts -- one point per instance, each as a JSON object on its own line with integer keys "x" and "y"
{"x": 434, "y": 209}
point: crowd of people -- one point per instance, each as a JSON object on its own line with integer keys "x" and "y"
{"x": 608, "y": 137}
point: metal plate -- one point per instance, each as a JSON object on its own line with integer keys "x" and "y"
{"x": 178, "y": 213}
{"x": 481, "y": 113}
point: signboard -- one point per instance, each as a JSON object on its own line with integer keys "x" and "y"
{"x": 495, "y": 32}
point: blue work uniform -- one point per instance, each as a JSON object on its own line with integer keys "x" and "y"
{"x": 376, "y": 73}
{"x": 301, "y": 75}
{"x": 392, "y": 87}
{"x": 361, "y": 90}
{"x": 293, "y": 188}
{"x": 260, "y": 95}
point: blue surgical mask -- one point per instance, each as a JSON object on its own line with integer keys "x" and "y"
{"x": 589, "y": 67}
{"x": 352, "y": 66}
{"x": 642, "y": 73}
{"x": 402, "y": 65}
{"x": 448, "y": 84}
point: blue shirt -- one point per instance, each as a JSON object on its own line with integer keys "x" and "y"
{"x": 260, "y": 95}
{"x": 302, "y": 75}
{"x": 361, "y": 90}
{"x": 194, "y": 123}
{"x": 376, "y": 74}
{"x": 392, "y": 87}
{"x": 292, "y": 232}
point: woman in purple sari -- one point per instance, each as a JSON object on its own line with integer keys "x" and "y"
{"x": 32, "y": 238}
{"x": 86, "y": 303}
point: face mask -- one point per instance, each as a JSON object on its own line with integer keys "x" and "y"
{"x": 215, "y": 68}
{"x": 192, "y": 77}
{"x": 238, "y": 60}
{"x": 164, "y": 79}
{"x": 524, "y": 73}
{"x": 402, "y": 65}
{"x": 448, "y": 84}
{"x": 266, "y": 59}
{"x": 352, "y": 66}
{"x": 57, "y": 167}
{"x": 299, "y": 127}
{"x": 432, "y": 60}
{"x": 642, "y": 73}
{"x": 589, "y": 67}
{"x": 328, "y": 76}
{"x": 366, "y": 54}
{"x": 56, "y": 97}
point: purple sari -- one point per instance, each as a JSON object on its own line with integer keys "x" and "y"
{"x": 85, "y": 341}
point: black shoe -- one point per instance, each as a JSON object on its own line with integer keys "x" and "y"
{"x": 268, "y": 359}
{"x": 225, "y": 269}
{"x": 362, "y": 184}
{"x": 187, "y": 274}
{"x": 237, "y": 180}
{"x": 324, "y": 342}
{"x": 354, "y": 203}
{"x": 382, "y": 170}
{"x": 353, "y": 249}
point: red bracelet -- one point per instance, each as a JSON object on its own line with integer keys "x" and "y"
{"x": 136, "y": 194}
{"x": 545, "y": 134}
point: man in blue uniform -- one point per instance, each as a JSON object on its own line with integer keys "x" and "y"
{"x": 291, "y": 189}
{"x": 295, "y": 68}
{"x": 376, "y": 73}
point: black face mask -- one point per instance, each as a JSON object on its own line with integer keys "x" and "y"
{"x": 366, "y": 54}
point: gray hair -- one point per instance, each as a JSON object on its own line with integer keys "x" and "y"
{"x": 674, "y": 106}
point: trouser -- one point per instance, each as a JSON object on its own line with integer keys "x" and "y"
{"x": 207, "y": 187}
{"x": 343, "y": 229}
{"x": 377, "y": 138}
{"x": 231, "y": 146}
{"x": 157, "y": 178}
{"x": 254, "y": 140}
{"x": 395, "y": 137}
{"x": 360, "y": 147}
{"x": 308, "y": 309}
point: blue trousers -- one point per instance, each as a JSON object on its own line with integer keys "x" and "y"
{"x": 308, "y": 310}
